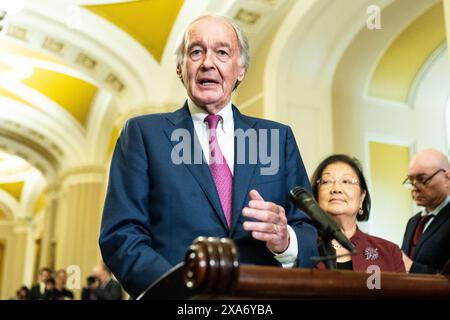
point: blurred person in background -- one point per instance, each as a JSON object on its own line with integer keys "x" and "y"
{"x": 108, "y": 288}
{"x": 38, "y": 290}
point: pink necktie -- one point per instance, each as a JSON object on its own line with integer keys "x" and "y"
{"x": 219, "y": 168}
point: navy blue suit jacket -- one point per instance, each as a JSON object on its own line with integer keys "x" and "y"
{"x": 155, "y": 208}
{"x": 433, "y": 249}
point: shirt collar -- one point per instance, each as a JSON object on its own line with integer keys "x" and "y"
{"x": 438, "y": 208}
{"x": 198, "y": 115}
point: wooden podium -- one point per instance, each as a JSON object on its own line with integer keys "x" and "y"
{"x": 211, "y": 271}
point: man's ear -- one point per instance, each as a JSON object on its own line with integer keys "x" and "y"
{"x": 180, "y": 74}
{"x": 241, "y": 74}
{"x": 447, "y": 176}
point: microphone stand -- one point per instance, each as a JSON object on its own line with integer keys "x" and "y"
{"x": 326, "y": 251}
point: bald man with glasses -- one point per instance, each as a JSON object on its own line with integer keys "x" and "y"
{"x": 426, "y": 243}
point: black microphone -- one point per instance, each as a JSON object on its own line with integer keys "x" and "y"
{"x": 323, "y": 221}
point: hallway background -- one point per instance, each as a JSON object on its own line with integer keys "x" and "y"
{"x": 369, "y": 78}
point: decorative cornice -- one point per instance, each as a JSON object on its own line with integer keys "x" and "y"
{"x": 52, "y": 190}
{"x": 91, "y": 173}
{"x": 44, "y": 152}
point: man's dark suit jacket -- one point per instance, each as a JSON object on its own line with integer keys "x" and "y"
{"x": 111, "y": 290}
{"x": 35, "y": 293}
{"x": 433, "y": 249}
{"x": 155, "y": 208}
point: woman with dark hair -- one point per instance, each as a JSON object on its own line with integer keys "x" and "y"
{"x": 339, "y": 186}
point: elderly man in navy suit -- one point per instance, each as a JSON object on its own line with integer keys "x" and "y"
{"x": 426, "y": 244}
{"x": 204, "y": 170}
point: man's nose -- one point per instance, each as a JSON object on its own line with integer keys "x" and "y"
{"x": 415, "y": 186}
{"x": 208, "y": 61}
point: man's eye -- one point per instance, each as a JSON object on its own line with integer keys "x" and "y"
{"x": 222, "y": 53}
{"x": 420, "y": 179}
{"x": 196, "y": 52}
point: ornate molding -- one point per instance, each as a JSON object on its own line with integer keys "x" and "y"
{"x": 83, "y": 174}
{"x": 24, "y": 140}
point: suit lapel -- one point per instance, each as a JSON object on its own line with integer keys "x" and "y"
{"x": 181, "y": 119}
{"x": 409, "y": 234}
{"x": 359, "y": 240}
{"x": 243, "y": 172}
{"x": 435, "y": 224}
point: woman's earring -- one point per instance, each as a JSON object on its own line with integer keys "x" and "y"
{"x": 360, "y": 211}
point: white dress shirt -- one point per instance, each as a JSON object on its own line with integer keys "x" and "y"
{"x": 435, "y": 212}
{"x": 225, "y": 138}
{"x": 224, "y": 132}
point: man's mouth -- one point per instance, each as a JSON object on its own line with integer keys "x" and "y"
{"x": 207, "y": 82}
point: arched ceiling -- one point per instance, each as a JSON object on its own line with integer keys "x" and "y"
{"x": 402, "y": 60}
{"x": 71, "y": 71}
{"x": 41, "y": 74}
{"x": 71, "y": 94}
{"x": 47, "y": 77}
{"x": 13, "y": 188}
{"x": 13, "y": 169}
{"x": 149, "y": 21}
{"x": 15, "y": 174}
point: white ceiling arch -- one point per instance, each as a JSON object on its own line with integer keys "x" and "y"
{"x": 8, "y": 204}
{"x": 20, "y": 205}
{"x": 301, "y": 68}
{"x": 64, "y": 142}
{"x": 31, "y": 152}
{"x": 95, "y": 47}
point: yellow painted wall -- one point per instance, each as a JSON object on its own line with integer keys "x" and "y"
{"x": 72, "y": 94}
{"x": 40, "y": 203}
{"x": 149, "y": 22}
{"x": 2, "y": 215}
{"x": 255, "y": 109}
{"x": 114, "y": 137}
{"x": 447, "y": 19}
{"x": 13, "y": 188}
{"x": 397, "y": 69}
{"x": 392, "y": 204}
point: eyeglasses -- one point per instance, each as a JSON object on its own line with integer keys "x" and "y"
{"x": 420, "y": 181}
{"x": 345, "y": 182}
